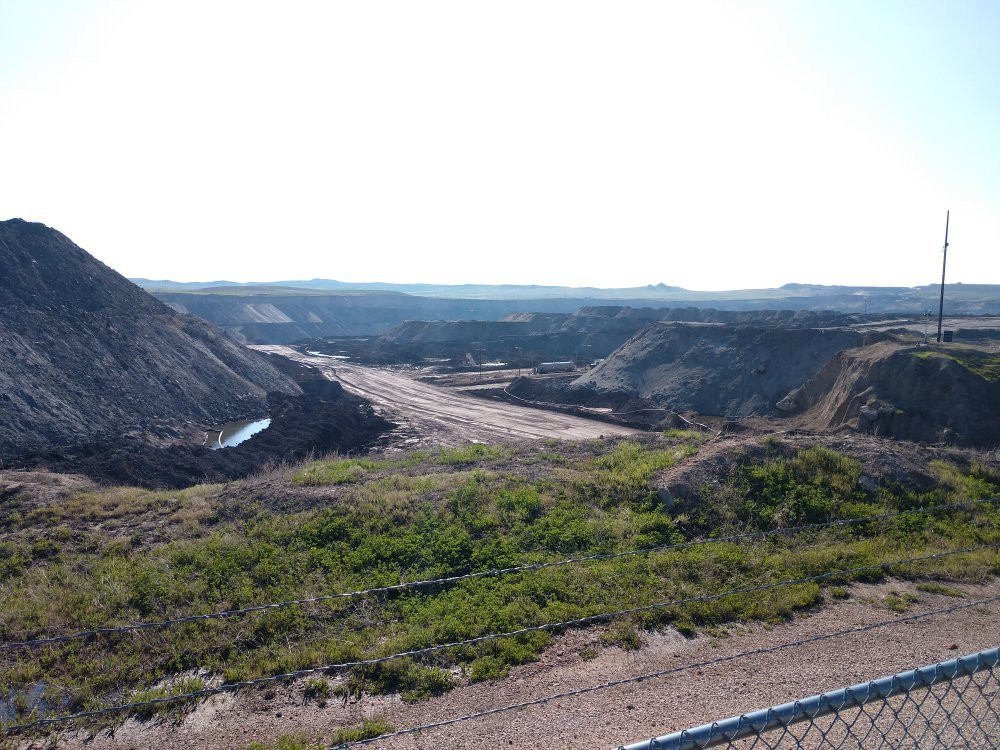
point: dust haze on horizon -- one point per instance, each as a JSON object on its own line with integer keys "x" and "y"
{"x": 715, "y": 145}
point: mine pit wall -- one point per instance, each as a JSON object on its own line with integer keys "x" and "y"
{"x": 720, "y": 370}
{"x": 889, "y": 390}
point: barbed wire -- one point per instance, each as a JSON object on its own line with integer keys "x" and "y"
{"x": 661, "y": 673}
{"x": 576, "y": 622}
{"x": 447, "y": 580}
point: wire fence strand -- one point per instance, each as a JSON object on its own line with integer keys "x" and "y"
{"x": 576, "y": 622}
{"x": 449, "y": 580}
{"x": 942, "y": 705}
{"x": 663, "y": 673}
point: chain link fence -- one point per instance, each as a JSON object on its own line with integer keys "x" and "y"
{"x": 953, "y": 704}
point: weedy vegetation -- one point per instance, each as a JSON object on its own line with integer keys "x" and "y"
{"x": 127, "y": 555}
{"x": 984, "y": 364}
{"x": 369, "y": 728}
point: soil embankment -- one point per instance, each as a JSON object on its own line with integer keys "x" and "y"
{"x": 720, "y": 370}
{"x": 322, "y": 419}
{"x": 930, "y": 394}
{"x": 87, "y": 356}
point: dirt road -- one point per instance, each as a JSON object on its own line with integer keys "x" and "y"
{"x": 431, "y": 415}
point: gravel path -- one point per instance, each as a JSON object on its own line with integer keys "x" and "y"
{"x": 608, "y": 718}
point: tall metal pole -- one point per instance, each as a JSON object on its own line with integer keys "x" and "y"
{"x": 944, "y": 266}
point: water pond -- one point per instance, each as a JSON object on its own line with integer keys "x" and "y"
{"x": 234, "y": 433}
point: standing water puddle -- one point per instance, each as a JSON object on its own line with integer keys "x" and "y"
{"x": 235, "y": 433}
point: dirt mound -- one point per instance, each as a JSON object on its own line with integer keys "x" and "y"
{"x": 718, "y": 369}
{"x": 88, "y": 356}
{"x": 323, "y": 419}
{"x": 883, "y": 462}
{"x": 930, "y": 394}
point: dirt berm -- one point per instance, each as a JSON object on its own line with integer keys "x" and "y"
{"x": 722, "y": 370}
{"x": 323, "y": 419}
{"x": 931, "y": 394}
{"x": 85, "y": 355}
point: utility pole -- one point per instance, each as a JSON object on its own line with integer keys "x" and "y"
{"x": 944, "y": 266}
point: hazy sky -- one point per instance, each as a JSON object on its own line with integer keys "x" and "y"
{"x": 704, "y": 144}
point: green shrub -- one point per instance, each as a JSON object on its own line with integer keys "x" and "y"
{"x": 186, "y": 685}
{"x": 413, "y": 682}
{"x": 340, "y": 471}
{"x": 488, "y": 668}
{"x": 317, "y": 689}
{"x": 469, "y": 454}
{"x": 369, "y": 728}
{"x": 899, "y": 602}
{"x": 624, "y": 635}
{"x": 932, "y": 587}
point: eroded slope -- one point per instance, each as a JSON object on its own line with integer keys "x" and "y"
{"x": 718, "y": 369}
{"x": 932, "y": 394}
{"x": 87, "y": 355}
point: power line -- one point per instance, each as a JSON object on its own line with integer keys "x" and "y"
{"x": 661, "y": 673}
{"x": 587, "y": 620}
{"x": 51, "y": 640}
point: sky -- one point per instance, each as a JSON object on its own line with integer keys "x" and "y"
{"x": 709, "y": 145}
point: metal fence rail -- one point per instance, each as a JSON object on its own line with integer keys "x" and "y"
{"x": 953, "y": 704}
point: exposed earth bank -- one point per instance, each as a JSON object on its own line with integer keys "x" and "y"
{"x": 527, "y": 338}
{"x": 723, "y": 370}
{"x": 814, "y": 379}
{"x": 930, "y": 394}
{"x": 324, "y": 418}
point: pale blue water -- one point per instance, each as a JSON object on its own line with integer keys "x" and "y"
{"x": 235, "y": 433}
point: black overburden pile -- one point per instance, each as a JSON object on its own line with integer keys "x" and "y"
{"x": 98, "y": 376}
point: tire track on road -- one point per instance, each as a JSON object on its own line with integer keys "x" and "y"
{"x": 441, "y": 416}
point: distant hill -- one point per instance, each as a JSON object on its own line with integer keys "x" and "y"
{"x": 280, "y": 318}
{"x": 282, "y": 312}
{"x": 446, "y": 291}
{"x": 959, "y": 298}
{"x": 86, "y": 355}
